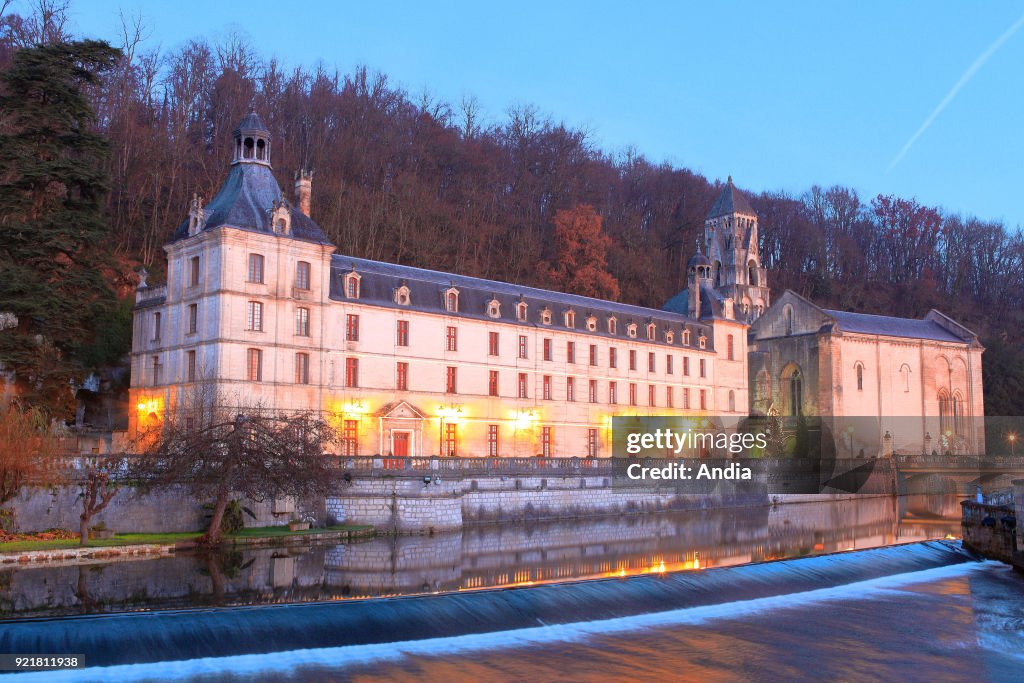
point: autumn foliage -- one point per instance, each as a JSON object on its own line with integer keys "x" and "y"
{"x": 579, "y": 264}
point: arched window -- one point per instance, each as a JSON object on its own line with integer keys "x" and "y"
{"x": 521, "y": 311}
{"x": 718, "y": 274}
{"x": 945, "y": 413}
{"x": 860, "y": 376}
{"x": 451, "y": 300}
{"x": 752, "y": 272}
{"x": 652, "y": 331}
{"x": 352, "y": 285}
{"x": 570, "y": 319}
{"x": 787, "y": 315}
{"x": 905, "y": 377}
{"x": 402, "y": 297}
{"x": 494, "y": 308}
{"x": 613, "y": 326}
{"x": 793, "y": 384}
{"x": 686, "y": 337}
{"x": 958, "y": 414}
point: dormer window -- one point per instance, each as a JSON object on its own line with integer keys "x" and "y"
{"x": 652, "y": 331}
{"x": 631, "y": 330}
{"x": 281, "y": 218}
{"x": 570, "y": 319}
{"x": 686, "y": 337}
{"x": 352, "y": 285}
{"x": 545, "y": 316}
{"x": 702, "y": 342}
{"x": 451, "y": 300}
{"x": 494, "y": 308}
{"x": 591, "y": 324}
{"x": 669, "y": 337}
{"x": 613, "y": 326}
{"x": 402, "y": 297}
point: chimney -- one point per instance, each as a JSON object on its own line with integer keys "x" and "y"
{"x": 303, "y": 190}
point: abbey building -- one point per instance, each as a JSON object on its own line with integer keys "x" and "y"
{"x": 262, "y": 310}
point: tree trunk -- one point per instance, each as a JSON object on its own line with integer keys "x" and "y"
{"x": 83, "y": 522}
{"x": 212, "y": 536}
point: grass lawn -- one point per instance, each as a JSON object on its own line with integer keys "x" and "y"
{"x": 168, "y": 538}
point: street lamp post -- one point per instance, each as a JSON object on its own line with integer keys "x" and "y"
{"x": 1012, "y": 438}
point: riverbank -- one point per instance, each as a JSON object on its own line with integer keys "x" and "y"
{"x": 142, "y": 546}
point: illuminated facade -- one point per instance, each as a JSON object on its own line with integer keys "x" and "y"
{"x": 408, "y": 361}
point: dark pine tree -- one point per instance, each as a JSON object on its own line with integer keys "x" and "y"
{"x": 53, "y": 226}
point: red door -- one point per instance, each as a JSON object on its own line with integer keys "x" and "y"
{"x": 401, "y": 444}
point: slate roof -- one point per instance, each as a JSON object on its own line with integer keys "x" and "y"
{"x": 909, "y": 328}
{"x": 245, "y": 200}
{"x": 379, "y": 280}
{"x": 252, "y": 123}
{"x": 710, "y": 302}
{"x": 731, "y": 200}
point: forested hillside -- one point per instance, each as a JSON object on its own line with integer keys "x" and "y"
{"x": 412, "y": 179}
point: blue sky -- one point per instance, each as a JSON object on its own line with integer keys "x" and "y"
{"x": 781, "y": 95}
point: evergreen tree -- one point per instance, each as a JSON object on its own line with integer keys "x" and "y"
{"x": 53, "y": 229}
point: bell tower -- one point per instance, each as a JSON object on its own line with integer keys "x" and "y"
{"x": 730, "y": 233}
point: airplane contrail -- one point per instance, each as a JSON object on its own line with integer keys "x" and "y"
{"x": 967, "y": 76}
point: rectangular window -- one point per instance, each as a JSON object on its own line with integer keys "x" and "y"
{"x": 254, "y": 365}
{"x": 254, "y": 321}
{"x": 632, "y": 359}
{"x": 592, "y": 391}
{"x": 652, "y": 399}
{"x": 492, "y": 343}
{"x": 570, "y": 352}
{"x": 302, "y": 368}
{"x": 350, "y": 437}
{"x": 156, "y": 369}
{"x": 351, "y": 327}
{"x": 190, "y": 366}
{"x": 302, "y": 275}
{"x": 352, "y": 372}
{"x": 686, "y": 366}
{"x": 703, "y": 367}
{"x": 523, "y": 385}
{"x": 402, "y": 333}
{"x": 452, "y": 339}
{"x": 591, "y": 443}
{"x": 728, "y": 347}
{"x": 703, "y": 399}
{"x": 670, "y": 365}
{"x": 193, "y": 271}
{"x": 302, "y": 321}
{"x": 570, "y": 389}
{"x": 157, "y": 320}
{"x": 451, "y": 439}
{"x": 650, "y": 362}
{"x": 686, "y": 399}
{"x": 402, "y": 377}
{"x": 547, "y": 387}
{"x": 613, "y": 357}
{"x": 492, "y": 441}
{"x": 451, "y": 380}
{"x": 546, "y": 444}
{"x": 548, "y": 354}
{"x": 492, "y": 383}
{"x": 193, "y": 318}
{"x": 632, "y": 394}
{"x": 670, "y": 397}
{"x": 523, "y": 346}
{"x": 613, "y": 393}
{"x": 593, "y": 354}
{"x": 256, "y": 268}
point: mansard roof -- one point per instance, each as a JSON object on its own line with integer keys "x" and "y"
{"x": 730, "y": 200}
{"x": 379, "y": 280}
{"x": 245, "y": 201}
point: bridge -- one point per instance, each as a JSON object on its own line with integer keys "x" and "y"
{"x": 955, "y": 473}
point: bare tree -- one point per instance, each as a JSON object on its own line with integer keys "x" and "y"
{"x": 28, "y": 451}
{"x": 97, "y": 491}
{"x": 217, "y": 453}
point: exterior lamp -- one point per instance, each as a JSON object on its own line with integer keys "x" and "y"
{"x": 1012, "y": 438}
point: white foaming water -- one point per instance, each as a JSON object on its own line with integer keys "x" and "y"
{"x": 335, "y": 657}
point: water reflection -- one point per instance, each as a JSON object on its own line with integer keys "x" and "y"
{"x": 481, "y": 556}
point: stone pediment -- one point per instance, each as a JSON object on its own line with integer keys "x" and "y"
{"x": 401, "y": 410}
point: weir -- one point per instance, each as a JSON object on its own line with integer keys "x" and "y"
{"x": 188, "y": 634}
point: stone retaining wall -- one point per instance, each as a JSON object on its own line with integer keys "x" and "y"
{"x": 989, "y": 530}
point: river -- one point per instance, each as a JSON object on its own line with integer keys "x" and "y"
{"x": 925, "y": 619}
